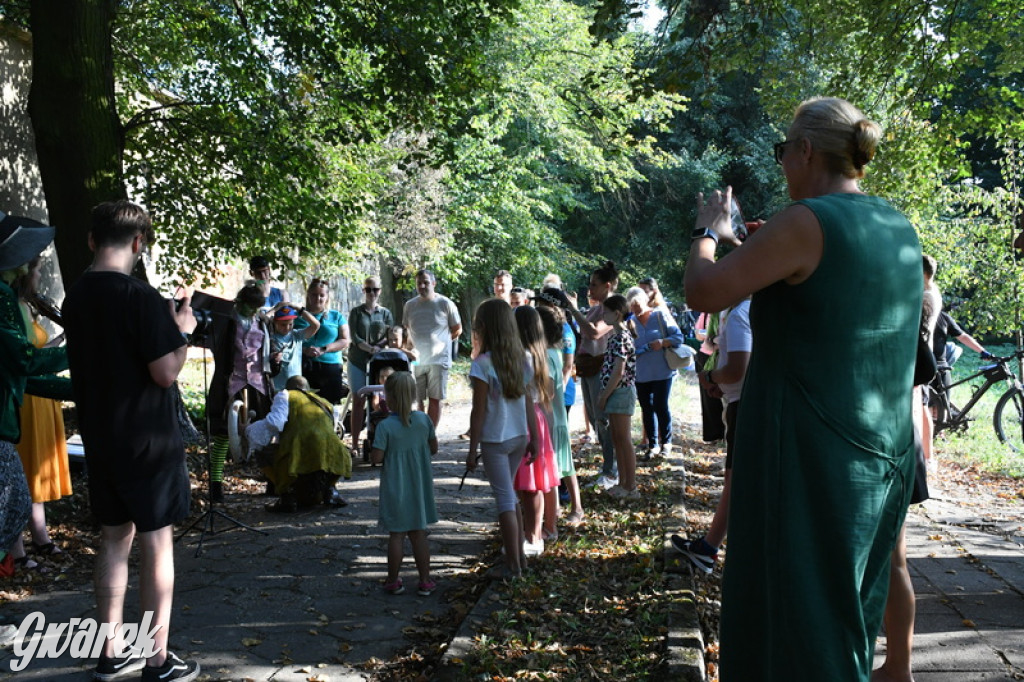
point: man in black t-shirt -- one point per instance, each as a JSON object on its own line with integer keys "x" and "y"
{"x": 946, "y": 328}
{"x": 125, "y": 350}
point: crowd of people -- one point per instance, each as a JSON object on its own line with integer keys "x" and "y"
{"x": 821, "y": 450}
{"x": 285, "y": 364}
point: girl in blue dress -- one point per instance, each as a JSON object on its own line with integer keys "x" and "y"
{"x": 404, "y": 443}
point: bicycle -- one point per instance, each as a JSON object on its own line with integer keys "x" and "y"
{"x": 1008, "y": 415}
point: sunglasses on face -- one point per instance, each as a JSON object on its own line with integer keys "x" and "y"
{"x": 371, "y": 290}
{"x": 780, "y": 149}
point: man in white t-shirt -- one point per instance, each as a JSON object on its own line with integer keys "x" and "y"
{"x": 433, "y": 322}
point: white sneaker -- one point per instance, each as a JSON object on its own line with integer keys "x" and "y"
{"x": 533, "y": 548}
{"x": 604, "y": 482}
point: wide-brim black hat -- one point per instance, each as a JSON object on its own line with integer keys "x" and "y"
{"x": 21, "y": 240}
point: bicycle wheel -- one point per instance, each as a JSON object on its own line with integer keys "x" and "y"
{"x": 1008, "y": 419}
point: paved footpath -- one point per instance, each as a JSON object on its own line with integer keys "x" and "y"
{"x": 286, "y": 606}
{"x": 968, "y": 576}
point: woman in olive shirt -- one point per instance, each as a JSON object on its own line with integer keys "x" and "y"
{"x": 368, "y": 324}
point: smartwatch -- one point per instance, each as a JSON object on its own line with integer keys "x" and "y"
{"x": 701, "y": 232}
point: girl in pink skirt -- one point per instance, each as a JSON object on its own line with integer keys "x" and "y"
{"x": 535, "y": 478}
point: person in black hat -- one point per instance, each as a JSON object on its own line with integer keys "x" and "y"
{"x": 21, "y": 240}
{"x": 259, "y": 268}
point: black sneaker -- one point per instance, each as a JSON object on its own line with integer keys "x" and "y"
{"x": 111, "y": 668}
{"x": 173, "y": 669}
{"x": 698, "y": 551}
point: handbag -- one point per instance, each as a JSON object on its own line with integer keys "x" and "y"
{"x": 677, "y": 357}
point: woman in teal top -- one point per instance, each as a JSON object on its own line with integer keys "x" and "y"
{"x": 824, "y": 445}
{"x": 324, "y": 349}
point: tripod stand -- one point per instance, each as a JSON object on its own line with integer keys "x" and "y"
{"x": 209, "y": 517}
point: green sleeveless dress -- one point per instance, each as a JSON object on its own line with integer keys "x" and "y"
{"x": 824, "y": 453}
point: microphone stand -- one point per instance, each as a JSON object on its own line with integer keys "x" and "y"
{"x": 211, "y": 514}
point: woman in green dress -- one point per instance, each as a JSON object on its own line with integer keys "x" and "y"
{"x": 824, "y": 446}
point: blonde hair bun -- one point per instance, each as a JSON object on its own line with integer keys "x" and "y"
{"x": 838, "y": 130}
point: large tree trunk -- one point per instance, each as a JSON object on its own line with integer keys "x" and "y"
{"x": 79, "y": 139}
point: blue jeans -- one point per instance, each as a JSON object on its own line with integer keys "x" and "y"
{"x": 591, "y": 392}
{"x": 657, "y": 417}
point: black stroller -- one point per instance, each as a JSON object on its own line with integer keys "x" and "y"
{"x": 386, "y": 359}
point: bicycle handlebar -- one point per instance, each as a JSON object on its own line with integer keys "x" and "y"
{"x": 1017, "y": 354}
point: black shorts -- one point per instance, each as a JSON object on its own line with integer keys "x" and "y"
{"x": 149, "y": 502}
{"x": 730, "y": 431}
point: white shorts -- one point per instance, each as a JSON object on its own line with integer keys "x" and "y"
{"x": 431, "y": 382}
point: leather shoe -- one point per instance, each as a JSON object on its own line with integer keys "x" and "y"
{"x": 283, "y": 506}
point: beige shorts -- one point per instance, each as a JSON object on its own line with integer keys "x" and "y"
{"x": 431, "y": 382}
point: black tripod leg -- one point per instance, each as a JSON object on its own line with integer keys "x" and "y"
{"x": 207, "y": 518}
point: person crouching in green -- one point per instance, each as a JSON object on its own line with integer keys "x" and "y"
{"x": 309, "y": 456}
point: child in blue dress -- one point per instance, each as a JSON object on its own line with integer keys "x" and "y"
{"x": 404, "y": 442}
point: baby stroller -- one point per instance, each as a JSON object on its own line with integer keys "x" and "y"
{"x": 386, "y": 359}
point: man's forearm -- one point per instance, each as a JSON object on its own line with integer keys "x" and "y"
{"x": 969, "y": 341}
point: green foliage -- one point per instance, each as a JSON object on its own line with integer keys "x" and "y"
{"x": 546, "y": 136}
{"x": 261, "y": 126}
{"x": 724, "y": 138}
{"x": 557, "y": 129}
{"x": 943, "y": 79}
{"x": 978, "y": 268}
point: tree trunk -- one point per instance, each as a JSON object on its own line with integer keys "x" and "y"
{"x": 79, "y": 139}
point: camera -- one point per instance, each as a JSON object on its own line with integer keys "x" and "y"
{"x": 204, "y": 318}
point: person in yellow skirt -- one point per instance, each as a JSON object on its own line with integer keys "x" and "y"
{"x": 43, "y": 448}
{"x": 21, "y": 240}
